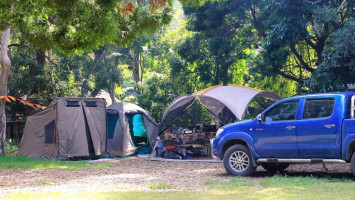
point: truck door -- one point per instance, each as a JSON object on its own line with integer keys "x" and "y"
{"x": 318, "y": 132}
{"x": 276, "y": 135}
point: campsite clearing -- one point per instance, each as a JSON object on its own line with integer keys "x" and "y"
{"x": 191, "y": 179}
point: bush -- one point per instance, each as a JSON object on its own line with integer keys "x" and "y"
{"x": 11, "y": 146}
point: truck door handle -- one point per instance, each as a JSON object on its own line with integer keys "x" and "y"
{"x": 290, "y": 127}
{"x": 329, "y": 125}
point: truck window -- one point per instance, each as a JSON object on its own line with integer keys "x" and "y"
{"x": 318, "y": 108}
{"x": 282, "y": 112}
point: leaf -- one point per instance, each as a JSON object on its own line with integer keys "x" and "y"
{"x": 118, "y": 90}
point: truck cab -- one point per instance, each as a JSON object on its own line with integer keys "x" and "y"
{"x": 315, "y": 128}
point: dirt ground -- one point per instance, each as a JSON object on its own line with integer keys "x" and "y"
{"x": 138, "y": 173}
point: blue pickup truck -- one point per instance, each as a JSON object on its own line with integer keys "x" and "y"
{"x": 316, "y": 128}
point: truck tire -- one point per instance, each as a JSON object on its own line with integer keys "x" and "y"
{"x": 272, "y": 168}
{"x": 352, "y": 165}
{"x": 237, "y": 161}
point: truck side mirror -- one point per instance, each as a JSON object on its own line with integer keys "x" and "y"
{"x": 259, "y": 118}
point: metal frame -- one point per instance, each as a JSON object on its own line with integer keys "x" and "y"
{"x": 352, "y": 107}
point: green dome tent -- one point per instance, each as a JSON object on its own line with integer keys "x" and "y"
{"x": 130, "y": 129}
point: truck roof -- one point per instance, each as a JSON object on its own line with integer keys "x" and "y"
{"x": 346, "y": 94}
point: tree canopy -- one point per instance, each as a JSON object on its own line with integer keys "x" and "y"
{"x": 151, "y": 51}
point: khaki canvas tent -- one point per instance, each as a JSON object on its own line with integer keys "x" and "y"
{"x": 69, "y": 127}
{"x": 130, "y": 129}
{"x": 225, "y": 103}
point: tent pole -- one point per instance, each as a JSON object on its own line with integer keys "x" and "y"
{"x": 185, "y": 111}
{"x": 160, "y": 132}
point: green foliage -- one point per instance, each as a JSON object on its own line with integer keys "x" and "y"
{"x": 295, "y": 37}
{"x": 216, "y": 44}
{"x": 11, "y": 146}
{"x": 81, "y": 25}
{"x": 338, "y": 66}
{"x": 196, "y": 114}
{"x": 27, "y": 72}
{"x": 157, "y": 93}
{"x": 289, "y": 47}
{"x": 20, "y": 162}
{"x": 73, "y": 28}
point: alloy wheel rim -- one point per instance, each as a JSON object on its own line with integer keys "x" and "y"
{"x": 239, "y": 161}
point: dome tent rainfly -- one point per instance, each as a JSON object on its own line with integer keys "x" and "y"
{"x": 68, "y": 127}
{"x": 129, "y": 124}
{"x": 226, "y": 103}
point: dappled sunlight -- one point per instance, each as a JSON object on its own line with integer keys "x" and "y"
{"x": 20, "y": 162}
{"x": 271, "y": 193}
{"x": 138, "y": 178}
{"x": 60, "y": 196}
{"x": 123, "y": 176}
{"x": 203, "y": 170}
{"x": 225, "y": 192}
{"x": 244, "y": 192}
{"x": 49, "y": 166}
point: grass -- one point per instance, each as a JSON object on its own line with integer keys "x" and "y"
{"x": 159, "y": 186}
{"x": 20, "y": 162}
{"x": 283, "y": 181}
{"x": 277, "y": 187}
{"x": 44, "y": 182}
{"x": 315, "y": 192}
{"x": 122, "y": 187}
{"x": 232, "y": 183}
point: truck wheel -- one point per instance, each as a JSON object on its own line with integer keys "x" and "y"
{"x": 352, "y": 165}
{"x": 272, "y": 168}
{"x": 238, "y": 161}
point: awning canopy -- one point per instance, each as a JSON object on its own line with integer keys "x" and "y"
{"x": 226, "y": 103}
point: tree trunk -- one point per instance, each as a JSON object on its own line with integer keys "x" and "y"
{"x": 101, "y": 53}
{"x": 41, "y": 57}
{"x": 136, "y": 65}
{"x": 142, "y": 64}
{"x": 5, "y": 71}
{"x": 112, "y": 92}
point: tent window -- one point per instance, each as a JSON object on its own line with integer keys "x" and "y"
{"x": 73, "y": 104}
{"x": 111, "y": 125}
{"x": 90, "y": 104}
{"x": 49, "y": 133}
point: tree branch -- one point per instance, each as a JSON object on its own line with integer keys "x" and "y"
{"x": 255, "y": 21}
{"x": 290, "y": 77}
{"x": 13, "y": 45}
{"x": 299, "y": 57}
{"x": 310, "y": 43}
